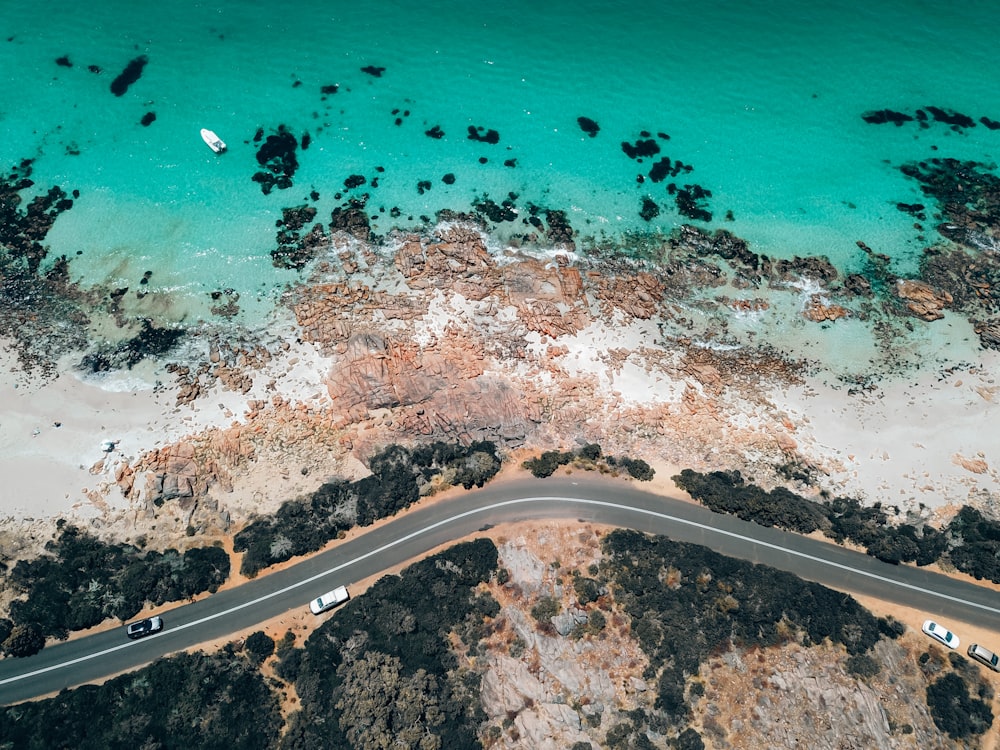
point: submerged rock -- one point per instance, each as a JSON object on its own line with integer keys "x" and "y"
{"x": 128, "y": 76}
{"x": 588, "y": 126}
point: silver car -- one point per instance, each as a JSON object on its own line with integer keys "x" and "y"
{"x": 984, "y": 656}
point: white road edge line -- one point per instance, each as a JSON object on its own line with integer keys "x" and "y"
{"x": 497, "y": 506}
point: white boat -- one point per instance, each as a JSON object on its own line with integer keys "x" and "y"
{"x": 214, "y": 142}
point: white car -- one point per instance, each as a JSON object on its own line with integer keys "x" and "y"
{"x": 940, "y": 634}
{"x": 329, "y": 600}
{"x": 145, "y": 627}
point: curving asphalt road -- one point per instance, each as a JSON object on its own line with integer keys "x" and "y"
{"x": 616, "y": 503}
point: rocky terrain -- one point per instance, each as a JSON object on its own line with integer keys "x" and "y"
{"x": 553, "y": 687}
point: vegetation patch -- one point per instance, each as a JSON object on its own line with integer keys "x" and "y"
{"x": 83, "y": 581}
{"x": 687, "y": 603}
{"x": 381, "y": 671}
{"x": 399, "y": 477}
{"x": 185, "y": 701}
{"x": 588, "y": 457}
{"x": 970, "y": 541}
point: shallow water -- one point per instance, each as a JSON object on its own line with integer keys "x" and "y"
{"x": 762, "y": 99}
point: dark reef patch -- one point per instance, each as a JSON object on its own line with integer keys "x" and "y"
{"x": 650, "y": 210}
{"x": 434, "y": 132}
{"x": 355, "y": 180}
{"x": 423, "y": 186}
{"x": 42, "y": 312}
{"x": 294, "y": 250}
{"x": 448, "y": 179}
{"x": 373, "y": 70}
{"x": 481, "y": 134}
{"x": 925, "y": 116}
{"x": 131, "y": 74}
{"x": 588, "y": 126}
{"x": 641, "y": 148}
{"x": 950, "y": 117}
{"x": 510, "y": 163}
{"x": 148, "y": 119}
{"x": 352, "y": 219}
{"x": 277, "y": 156}
{"x": 495, "y": 212}
{"x": 883, "y": 116}
{"x": 665, "y": 168}
{"x": 691, "y": 202}
{"x": 329, "y": 89}
{"x": 151, "y": 342}
{"x": 64, "y": 62}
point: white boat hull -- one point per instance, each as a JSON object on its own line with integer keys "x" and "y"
{"x": 213, "y": 141}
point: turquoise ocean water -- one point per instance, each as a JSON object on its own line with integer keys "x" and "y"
{"x": 763, "y": 99}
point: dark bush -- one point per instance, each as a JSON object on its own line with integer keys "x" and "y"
{"x": 976, "y": 541}
{"x": 955, "y": 712}
{"x": 891, "y": 627}
{"x": 689, "y": 739}
{"x": 427, "y": 602}
{"x": 587, "y": 590}
{"x": 591, "y": 451}
{"x": 756, "y": 599}
{"x": 637, "y": 468}
{"x": 259, "y": 645}
{"x": 24, "y": 640}
{"x": 6, "y": 626}
{"x": 863, "y": 665}
{"x": 727, "y": 492}
{"x": 973, "y": 541}
{"x": 546, "y": 464}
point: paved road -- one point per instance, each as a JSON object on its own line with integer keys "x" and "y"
{"x": 586, "y": 498}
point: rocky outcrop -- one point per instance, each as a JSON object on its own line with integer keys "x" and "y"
{"x": 778, "y": 698}
{"x": 819, "y": 310}
{"x": 923, "y": 300}
{"x": 989, "y": 333}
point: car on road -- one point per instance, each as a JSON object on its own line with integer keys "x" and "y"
{"x": 329, "y": 600}
{"x": 984, "y": 656}
{"x": 142, "y": 628}
{"x": 940, "y": 634}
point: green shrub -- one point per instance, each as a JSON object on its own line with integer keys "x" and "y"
{"x": 587, "y": 590}
{"x": 545, "y": 609}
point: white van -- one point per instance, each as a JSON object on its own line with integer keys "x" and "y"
{"x": 329, "y": 600}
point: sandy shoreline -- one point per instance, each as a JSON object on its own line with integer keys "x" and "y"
{"x": 928, "y": 441}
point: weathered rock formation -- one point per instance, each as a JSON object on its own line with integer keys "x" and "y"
{"x": 923, "y": 300}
